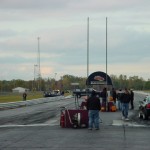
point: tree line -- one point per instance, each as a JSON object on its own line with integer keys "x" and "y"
{"x": 40, "y": 84}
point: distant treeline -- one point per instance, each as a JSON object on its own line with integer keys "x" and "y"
{"x": 134, "y": 82}
{"x": 122, "y": 81}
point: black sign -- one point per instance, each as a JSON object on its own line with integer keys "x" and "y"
{"x": 99, "y": 78}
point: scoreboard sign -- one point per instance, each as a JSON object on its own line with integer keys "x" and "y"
{"x": 99, "y": 78}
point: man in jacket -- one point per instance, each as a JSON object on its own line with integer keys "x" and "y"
{"x": 93, "y": 107}
{"x": 125, "y": 104}
{"x": 132, "y": 98}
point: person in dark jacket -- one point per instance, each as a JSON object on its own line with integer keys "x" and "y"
{"x": 119, "y": 99}
{"x": 24, "y": 96}
{"x": 132, "y": 98}
{"x": 113, "y": 94}
{"x": 93, "y": 107}
{"x": 125, "y": 104}
{"x": 104, "y": 96}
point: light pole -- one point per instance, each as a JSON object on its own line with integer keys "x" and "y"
{"x": 106, "y": 69}
{"x": 39, "y": 66}
{"x": 87, "y": 52}
{"x": 106, "y": 51}
{"x": 87, "y": 47}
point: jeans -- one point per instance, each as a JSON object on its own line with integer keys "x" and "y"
{"x": 93, "y": 118}
{"x": 125, "y": 108}
{"x": 119, "y": 105}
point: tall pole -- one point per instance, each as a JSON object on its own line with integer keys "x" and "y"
{"x": 106, "y": 51}
{"x": 87, "y": 53}
{"x": 38, "y": 62}
{"x": 106, "y": 68}
{"x": 87, "y": 47}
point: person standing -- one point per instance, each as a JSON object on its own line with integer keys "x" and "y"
{"x": 119, "y": 99}
{"x": 24, "y": 96}
{"x": 125, "y": 104}
{"x": 113, "y": 94}
{"x": 132, "y": 98}
{"x": 62, "y": 93}
{"x": 93, "y": 107}
{"x": 104, "y": 96}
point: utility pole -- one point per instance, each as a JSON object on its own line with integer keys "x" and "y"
{"x": 106, "y": 51}
{"x": 39, "y": 67}
{"x": 87, "y": 47}
{"x": 87, "y": 53}
{"x": 106, "y": 68}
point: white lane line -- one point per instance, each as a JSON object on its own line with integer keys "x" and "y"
{"x": 51, "y": 122}
{"x": 29, "y": 125}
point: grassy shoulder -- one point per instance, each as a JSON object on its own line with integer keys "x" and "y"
{"x": 15, "y": 97}
{"x": 147, "y": 91}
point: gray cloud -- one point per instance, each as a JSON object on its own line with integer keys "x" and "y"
{"x": 62, "y": 28}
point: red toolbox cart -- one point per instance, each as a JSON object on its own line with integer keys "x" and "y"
{"x": 72, "y": 118}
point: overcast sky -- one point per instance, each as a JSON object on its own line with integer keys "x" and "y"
{"x": 62, "y": 28}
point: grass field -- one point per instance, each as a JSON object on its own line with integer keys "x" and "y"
{"x": 14, "y": 97}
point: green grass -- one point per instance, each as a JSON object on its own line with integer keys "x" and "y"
{"x": 14, "y": 97}
{"x": 147, "y": 91}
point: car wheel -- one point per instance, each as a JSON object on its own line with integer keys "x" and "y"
{"x": 140, "y": 115}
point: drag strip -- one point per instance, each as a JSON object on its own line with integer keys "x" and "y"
{"x": 47, "y": 113}
{"x": 34, "y": 114}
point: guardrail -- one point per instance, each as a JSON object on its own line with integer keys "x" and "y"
{"x": 12, "y": 105}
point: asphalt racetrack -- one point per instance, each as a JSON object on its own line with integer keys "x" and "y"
{"x": 37, "y": 127}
